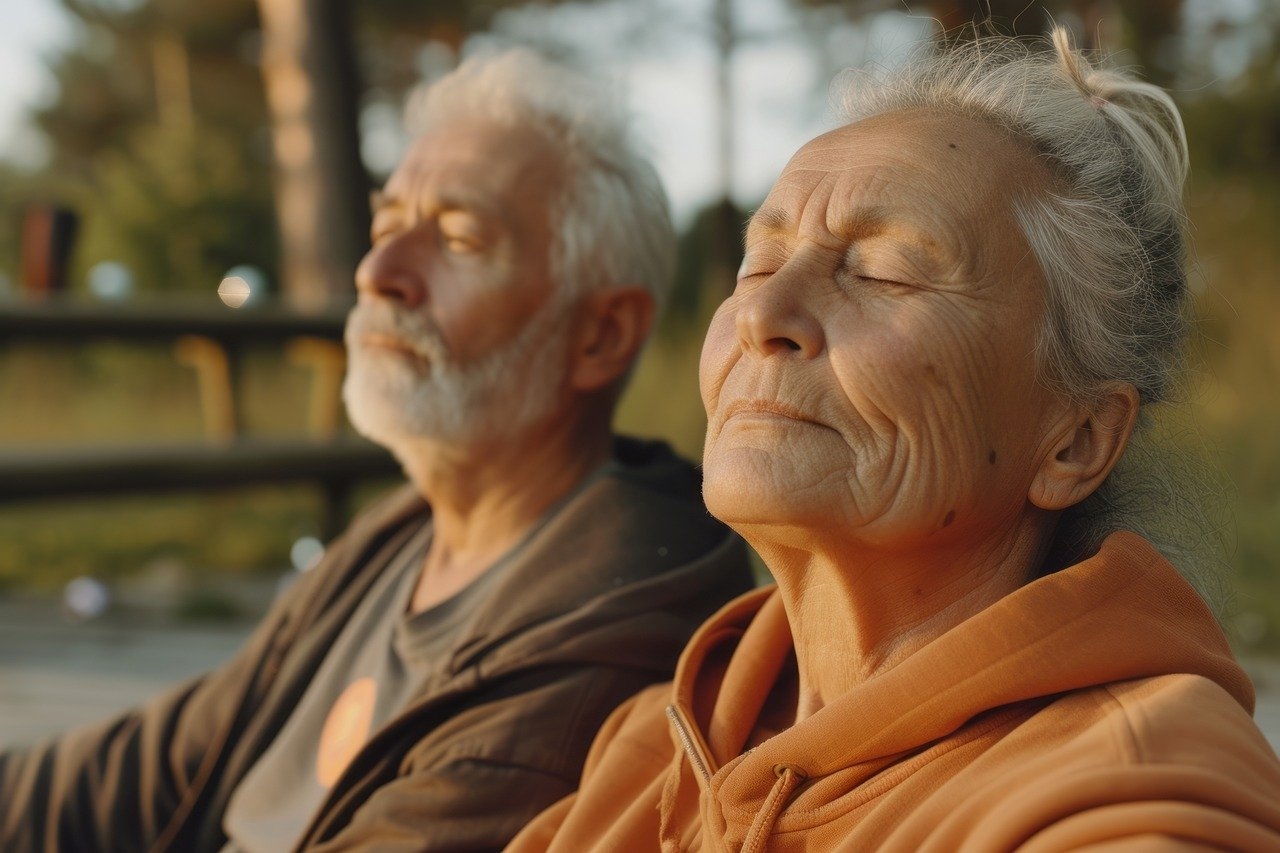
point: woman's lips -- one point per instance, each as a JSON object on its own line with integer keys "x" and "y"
{"x": 767, "y": 408}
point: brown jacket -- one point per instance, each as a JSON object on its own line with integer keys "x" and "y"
{"x": 598, "y": 605}
{"x": 1098, "y": 707}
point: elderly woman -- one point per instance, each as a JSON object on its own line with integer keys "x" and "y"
{"x": 952, "y": 314}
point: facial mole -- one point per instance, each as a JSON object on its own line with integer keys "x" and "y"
{"x": 951, "y": 145}
{"x": 951, "y": 516}
{"x": 991, "y": 457}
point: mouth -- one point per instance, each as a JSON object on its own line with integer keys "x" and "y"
{"x": 389, "y": 343}
{"x": 767, "y": 409}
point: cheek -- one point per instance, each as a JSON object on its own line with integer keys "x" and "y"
{"x": 719, "y": 352}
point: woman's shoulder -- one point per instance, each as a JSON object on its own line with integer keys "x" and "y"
{"x": 1185, "y": 718}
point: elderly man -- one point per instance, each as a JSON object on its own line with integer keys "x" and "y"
{"x": 437, "y": 680}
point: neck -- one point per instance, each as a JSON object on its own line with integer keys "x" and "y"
{"x": 485, "y": 496}
{"x": 856, "y": 611}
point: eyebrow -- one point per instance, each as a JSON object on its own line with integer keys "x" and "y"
{"x": 771, "y": 220}
{"x": 380, "y": 200}
{"x": 852, "y": 225}
{"x": 862, "y": 222}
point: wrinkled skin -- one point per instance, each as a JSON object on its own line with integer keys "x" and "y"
{"x": 462, "y": 232}
{"x": 461, "y": 346}
{"x": 889, "y": 299}
{"x": 455, "y": 321}
{"x": 876, "y": 426}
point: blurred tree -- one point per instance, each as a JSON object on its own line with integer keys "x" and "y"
{"x": 315, "y": 85}
{"x": 157, "y": 138}
{"x": 313, "y": 91}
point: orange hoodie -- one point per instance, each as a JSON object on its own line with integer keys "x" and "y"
{"x": 1097, "y": 707}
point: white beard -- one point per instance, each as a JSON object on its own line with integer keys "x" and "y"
{"x": 392, "y": 401}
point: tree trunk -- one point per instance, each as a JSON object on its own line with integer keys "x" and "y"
{"x": 308, "y": 67}
{"x": 726, "y": 252}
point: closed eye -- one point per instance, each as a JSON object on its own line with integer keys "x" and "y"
{"x": 461, "y": 232}
{"x": 461, "y": 245}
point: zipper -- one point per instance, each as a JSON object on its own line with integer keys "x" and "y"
{"x": 691, "y": 746}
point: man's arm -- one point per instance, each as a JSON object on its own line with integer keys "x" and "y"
{"x": 475, "y": 781}
{"x": 122, "y": 784}
{"x": 116, "y": 785}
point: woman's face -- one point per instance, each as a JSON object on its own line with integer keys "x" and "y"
{"x": 873, "y": 374}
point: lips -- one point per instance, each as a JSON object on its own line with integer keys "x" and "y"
{"x": 376, "y": 326}
{"x": 378, "y": 340}
{"x": 767, "y": 407}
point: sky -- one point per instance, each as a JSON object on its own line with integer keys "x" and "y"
{"x": 669, "y": 83}
{"x": 32, "y": 30}
{"x": 668, "y": 77}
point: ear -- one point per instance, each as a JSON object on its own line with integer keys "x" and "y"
{"x": 613, "y": 324}
{"x": 1088, "y": 443}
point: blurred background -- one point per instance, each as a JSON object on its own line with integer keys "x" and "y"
{"x": 183, "y": 199}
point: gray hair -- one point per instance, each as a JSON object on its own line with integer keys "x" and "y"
{"x": 1109, "y": 238}
{"x": 614, "y": 225}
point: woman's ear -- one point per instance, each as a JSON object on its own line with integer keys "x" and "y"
{"x": 1087, "y": 445}
{"x": 613, "y": 324}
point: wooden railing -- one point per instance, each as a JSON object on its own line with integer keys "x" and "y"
{"x": 207, "y": 338}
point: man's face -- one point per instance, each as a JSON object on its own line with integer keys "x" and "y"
{"x": 456, "y": 334}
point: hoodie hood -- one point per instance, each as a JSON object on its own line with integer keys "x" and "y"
{"x": 1123, "y": 614}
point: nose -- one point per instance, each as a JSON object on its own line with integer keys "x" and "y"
{"x": 775, "y": 317}
{"x": 392, "y": 269}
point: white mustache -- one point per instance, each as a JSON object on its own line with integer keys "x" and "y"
{"x": 416, "y": 332}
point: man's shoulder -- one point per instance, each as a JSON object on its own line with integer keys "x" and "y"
{"x": 648, "y": 507}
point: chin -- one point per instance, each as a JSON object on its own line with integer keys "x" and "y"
{"x": 750, "y": 487}
{"x": 374, "y": 413}
{"x": 389, "y": 403}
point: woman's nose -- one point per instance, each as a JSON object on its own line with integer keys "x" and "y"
{"x": 775, "y": 317}
{"x": 393, "y": 269}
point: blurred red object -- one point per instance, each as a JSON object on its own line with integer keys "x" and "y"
{"x": 48, "y": 236}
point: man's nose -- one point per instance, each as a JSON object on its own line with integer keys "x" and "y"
{"x": 393, "y": 269}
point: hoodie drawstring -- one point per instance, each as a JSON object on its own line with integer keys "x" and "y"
{"x": 692, "y": 744}
{"x": 789, "y": 778}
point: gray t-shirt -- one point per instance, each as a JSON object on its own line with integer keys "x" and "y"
{"x": 374, "y": 669}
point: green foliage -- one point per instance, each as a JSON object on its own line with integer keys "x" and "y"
{"x": 179, "y": 208}
{"x": 105, "y": 394}
{"x": 1238, "y": 351}
{"x": 158, "y": 140}
{"x": 42, "y": 546}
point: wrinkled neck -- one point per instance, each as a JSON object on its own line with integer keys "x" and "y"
{"x": 486, "y": 497}
{"x": 857, "y": 611}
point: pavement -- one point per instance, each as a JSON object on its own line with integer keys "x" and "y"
{"x": 56, "y": 674}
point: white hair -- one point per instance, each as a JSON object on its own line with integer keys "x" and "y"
{"x": 1109, "y": 235}
{"x": 1109, "y": 238}
{"x": 614, "y": 224}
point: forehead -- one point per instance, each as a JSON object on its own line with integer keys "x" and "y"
{"x": 920, "y": 167}
{"x": 479, "y": 161}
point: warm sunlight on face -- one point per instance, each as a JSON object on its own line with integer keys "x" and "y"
{"x": 456, "y": 311}
{"x": 873, "y": 372}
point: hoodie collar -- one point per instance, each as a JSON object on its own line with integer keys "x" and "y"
{"x": 1123, "y": 614}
